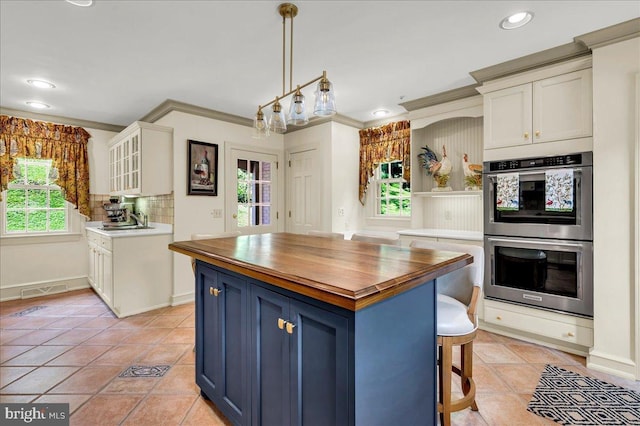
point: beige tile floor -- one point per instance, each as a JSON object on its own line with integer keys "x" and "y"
{"x": 74, "y": 350}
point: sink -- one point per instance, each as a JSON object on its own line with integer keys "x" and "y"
{"x": 125, "y": 228}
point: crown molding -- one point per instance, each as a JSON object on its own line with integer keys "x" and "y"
{"x": 442, "y": 97}
{"x": 529, "y": 62}
{"x": 609, "y": 35}
{"x": 62, "y": 120}
{"x": 171, "y": 105}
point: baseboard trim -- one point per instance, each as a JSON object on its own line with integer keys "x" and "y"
{"x": 609, "y": 364}
{"x": 181, "y": 299}
{"x": 42, "y": 288}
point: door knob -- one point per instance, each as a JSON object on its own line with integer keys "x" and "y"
{"x": 235, "y": 216}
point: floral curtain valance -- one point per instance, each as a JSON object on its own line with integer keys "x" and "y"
{"x": 391, "y": 142}
{"x": 66, "y": 146}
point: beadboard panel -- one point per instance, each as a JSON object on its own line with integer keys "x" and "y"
{"x": 459, "y": 135}
{"x": 457, "y": 213}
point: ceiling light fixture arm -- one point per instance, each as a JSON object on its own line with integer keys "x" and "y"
{"x": 299, "y": 87}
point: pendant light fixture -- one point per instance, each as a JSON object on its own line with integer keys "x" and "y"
{"x": 325, "y": 102}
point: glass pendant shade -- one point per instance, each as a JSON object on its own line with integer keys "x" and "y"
{"x": 297, "y": 111}
{"x": 260, "y": 126}
{"x": 325, "y": 99}
{"x": 277, "y": 122}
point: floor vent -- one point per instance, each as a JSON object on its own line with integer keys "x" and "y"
{"x": 145, "y": 371}
{"x": 28, "y": 311}
{"x": 41, "y": 291}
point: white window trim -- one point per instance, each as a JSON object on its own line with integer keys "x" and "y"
{"x": 372, "y": 200}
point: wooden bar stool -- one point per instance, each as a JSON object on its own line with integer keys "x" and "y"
{"x": 458, "y": 294}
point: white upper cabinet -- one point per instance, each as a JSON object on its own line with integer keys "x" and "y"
{"x": 140, "y": 160}
{"x": 563, "y": 107}
{"x": 545, "y": 110}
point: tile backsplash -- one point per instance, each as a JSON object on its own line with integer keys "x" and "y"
{"x": 159, "y": 208}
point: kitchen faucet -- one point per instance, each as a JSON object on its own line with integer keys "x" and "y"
{"x": 140, "y": 220}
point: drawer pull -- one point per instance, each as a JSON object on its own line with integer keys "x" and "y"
{"x": 538, "y": 133}
{"x": 281, "y": 323}
{"x": 290, "y": 327}
{"x": 499, "y": 318}
{"x": 214, "y": 291}
{"x": 526, "y": 135}
{"x": 570, "y": 334}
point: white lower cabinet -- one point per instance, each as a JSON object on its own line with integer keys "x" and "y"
{"x": 132, "y": 274}
{"x": 552, "y": 325}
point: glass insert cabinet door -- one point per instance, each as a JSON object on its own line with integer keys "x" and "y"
{"x": 256, "y": 193}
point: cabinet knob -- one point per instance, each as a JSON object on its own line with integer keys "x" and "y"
{"x": 570, "y": 334}
{"x": 499, "y": 318}
{"x": 526, "y": 135}
{"x": 281, "y": 323}
{"x": 537, "y": 133}
{"x": 214, "y": 291}
{"x": 290, "y": 327}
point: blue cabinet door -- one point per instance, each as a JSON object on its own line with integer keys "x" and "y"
{"x": 319, "y": 366}
{"x": 270, "y": 358}
{"x": 234, "y": 383}
{"x": 222, "y": 363}
{"x": 208, "y": 342}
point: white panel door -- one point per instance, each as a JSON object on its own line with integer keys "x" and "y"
{"x": 253, "y": 192}
{"x": 304, "y": 195}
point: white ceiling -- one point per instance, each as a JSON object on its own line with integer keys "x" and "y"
{"x": 115, "y": 61}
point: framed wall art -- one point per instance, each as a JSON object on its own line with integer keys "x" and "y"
{"x": 202, "y": 168}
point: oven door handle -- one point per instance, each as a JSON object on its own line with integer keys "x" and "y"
{"x": 494, "y": 175}
{"x": 556, "y": 243}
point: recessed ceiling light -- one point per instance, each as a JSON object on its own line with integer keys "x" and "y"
{"x": 380, "y": 113}
{"x": 37, "y": 105}
{"x": 516, "y": 20}
{"x": 41, "y": 84}
{"x": 82, "y": 3}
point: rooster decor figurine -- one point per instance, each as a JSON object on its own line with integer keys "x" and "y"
{"x": 472, "y": 174}
{"x": 439, "y": 169}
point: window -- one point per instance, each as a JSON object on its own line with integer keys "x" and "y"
{"x": 254, "y": 193}
{"x": 393, "y": 194}
{"x": 33, "y": 204}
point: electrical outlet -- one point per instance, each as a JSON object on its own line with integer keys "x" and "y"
{"x": 216, "y": 213}
{"x": 447, "y": 214}
{"x": 341, "y": 212}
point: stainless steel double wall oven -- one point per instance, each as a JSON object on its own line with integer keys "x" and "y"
{"x": 538, "y": 226}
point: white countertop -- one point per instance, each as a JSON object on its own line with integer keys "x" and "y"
{"x": 155, "y": 228}
{"x": 443, "y": 233}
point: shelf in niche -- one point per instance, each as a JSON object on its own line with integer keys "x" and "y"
{"x": 449, "y": 194}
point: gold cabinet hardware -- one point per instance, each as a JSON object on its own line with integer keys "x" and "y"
{"x": 290, "y": 327}
{"x": 526, "y": 135}
{"x": 281, "y": 323}
{"x": 214, "y": 291}
{"x": 499, "y": 318}
{"x": 570, "y": 334}
{"x": 537, "y": 133}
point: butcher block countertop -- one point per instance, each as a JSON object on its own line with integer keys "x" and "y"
{"x": 349, "y": 274}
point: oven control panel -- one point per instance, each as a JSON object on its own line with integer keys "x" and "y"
{"x": 532, "y": 163}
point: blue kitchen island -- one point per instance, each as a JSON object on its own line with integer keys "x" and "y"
{"x": 296, "y": 329}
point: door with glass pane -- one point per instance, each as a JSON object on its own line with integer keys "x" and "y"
{"x": 255, "y": 187}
